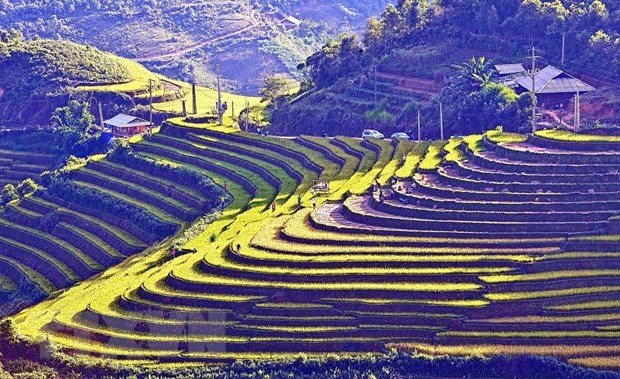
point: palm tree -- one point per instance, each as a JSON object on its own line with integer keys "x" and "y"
{"x": 476, "y": 73}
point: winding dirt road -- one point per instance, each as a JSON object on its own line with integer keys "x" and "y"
{"x": 252, "y": 23}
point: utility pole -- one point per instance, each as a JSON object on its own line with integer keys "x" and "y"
{"x": 441, "y": 120}
{"x": 577, "y": 115}
{"x": 375, "y": 69}
{"x": 534, "y": 100}
{"x": 247, "y": 114}
{"x": 194, "y": 101}
{"x": 101, "y": 116}
{"x": 151, "y": 106}
{"x": 563, "y": 46}
{"x": 219, "y": 97}
{"x": 419, "y": 127}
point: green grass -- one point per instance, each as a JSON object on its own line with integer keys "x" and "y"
{"x": 535, "y": 319}
{"x": 403, "y": 148}
{"x": 508, "y": 296}
{"x": 206, "y": 99}
{"x": 123, "y": 235}
{"x": 141, "y": 174}
{"x": 32, "y": 275}
{"x": 94, "y": 239}
{"x": 566, "y": 136}
{"x": 285, "y": 197}
{"x": 532, "y": 334}
{"x": 474, "y": 142}
{"x": 70, "y": 274}
{"x": 78, "y": 253}
{"x": 588, "y": 305}
{"x": 386, "y": 155}
{"x": 414, "y": 157}
{"x": 143, "y": 189}
{"x": 433, "y": 157}
{"x": 501, "y": 137}
{"x": 156, "y": 212}
{"x": 139, "y": 79}
{"x": 430, "y": 287}
{"x": 453, "y": 150}
{"x": 548, "y": 275}
{"x": 7, "y": 284}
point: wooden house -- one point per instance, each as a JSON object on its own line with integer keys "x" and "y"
{"x": 126, "y": 125}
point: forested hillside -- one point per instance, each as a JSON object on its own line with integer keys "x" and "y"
{"x": 408, "y": 60}
{"x": 35, "y": 76}
{"x": 186, "y": 39}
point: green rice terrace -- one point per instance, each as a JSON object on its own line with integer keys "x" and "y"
{"x": 491, "y": 244}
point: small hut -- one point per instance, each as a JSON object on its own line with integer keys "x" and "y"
{"x": 291, "y": 22}
{"x": 552, "y": 85}
{"x": 126, "y": 125}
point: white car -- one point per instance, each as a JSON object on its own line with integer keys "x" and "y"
{"x": 371, "y": 133}
{"x": 399, "y": 135}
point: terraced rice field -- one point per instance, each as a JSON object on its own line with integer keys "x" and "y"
{"x": 49, "y": 242}
{"x": 16, "y": 166}
{"x": 505, "y": 249}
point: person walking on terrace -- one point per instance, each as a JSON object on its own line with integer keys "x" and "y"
{"x": 314, "y": 202}
{"x": 273, "y": 207}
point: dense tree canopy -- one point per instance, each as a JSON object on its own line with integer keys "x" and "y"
{"x": 423, "y": 38}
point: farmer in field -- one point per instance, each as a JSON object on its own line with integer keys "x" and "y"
{"x": 298, "y": 201}
{"x": 314, "y": 202}
{"x": 273, "y": 207}
{"x": 173, "y": 252}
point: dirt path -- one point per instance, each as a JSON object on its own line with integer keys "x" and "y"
{"x": 176, "y": 53}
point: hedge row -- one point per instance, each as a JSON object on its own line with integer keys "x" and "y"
{"x": 168, "y": 189}
{"x": 88, "y": 197}
{"x": 134, "y": 192}
{"x": 183, "y": 175}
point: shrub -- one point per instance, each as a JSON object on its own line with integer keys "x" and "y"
{"x": 27, "y": 186}
{"x": 9, "y": 193}
{"x": 92, "y": 198}
{"x": 183, "y": 175}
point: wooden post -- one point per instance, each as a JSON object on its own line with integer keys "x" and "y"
{"x": 441, "y": 120}
{"x": 419, "y": 127}
{"x": 194, "y": 101}
{"x": 101, "y": 116}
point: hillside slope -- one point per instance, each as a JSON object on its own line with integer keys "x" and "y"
{"x": 185, "y": 39}
{"x": 407, "y": 61}
{"x": 38, "y": 76}
{"x": 441, "y": 259}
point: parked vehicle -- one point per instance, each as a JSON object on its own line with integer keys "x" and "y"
{"x": 371, "y": 133}
{"x": 399, "y": 135}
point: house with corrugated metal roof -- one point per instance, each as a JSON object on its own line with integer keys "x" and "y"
{"x": 551, "y": 85}
{"x": 290, "y": 22}
{"x": 126, "y": 125}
